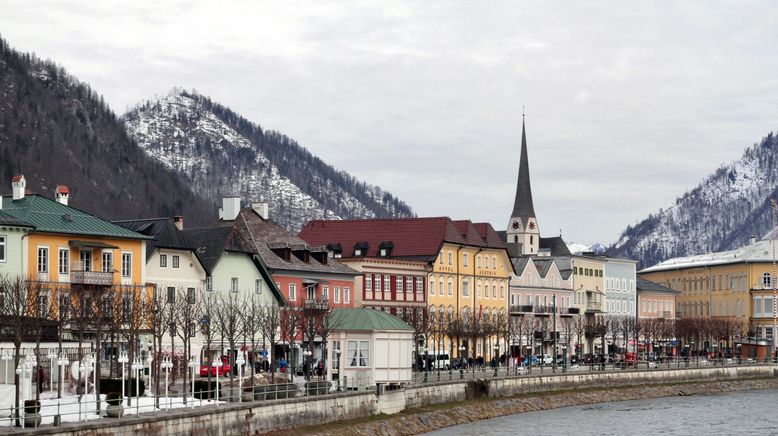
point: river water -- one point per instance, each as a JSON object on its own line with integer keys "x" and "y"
{"x": 734, "y": 413}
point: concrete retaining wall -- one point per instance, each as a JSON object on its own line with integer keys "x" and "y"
{"x": 273, "y": 415}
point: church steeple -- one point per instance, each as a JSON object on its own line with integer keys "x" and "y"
{"x": 522, "y": 206}
{"x": 523, "y": 233}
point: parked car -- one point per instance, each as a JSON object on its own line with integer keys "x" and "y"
{"x": 530, "y": 361}
{"x": 224, "y": 370}
{"x": 546, "y": 359}
{"x": 630, "y": 357}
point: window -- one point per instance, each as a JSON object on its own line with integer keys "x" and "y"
{"x": 175, "y": 261}
{"x": 190, "y": 295}
{"x": 346, "y": 295}
{"x": 209, "y": 283}
{"x": 368, "y": 282}
{"x": 43, "y": 305}
{"x": 494, "y": 262}
{"x": 450, "y": 258}
{"x": 465, "y": 288}
{"x": 398, "y": 282}
{"x": 337, "y": 294}
{"x": 575, "y": 270}
{"x": 86, "y": 260}
{"x": 126, "y": 265}
{"x": 409, "y": 284}
{"x": 257, "y": 286}
{"x": 234, "y": 284}
{"x": 450, "y": 288}
{"x": 377, "y": 280}
{"x": 502, "y": 291}
{"x": 494, "y": 291}
{"x": 171, "y": 295}
{"x": 766, "y": 279}
{"x": 358, "y": 353}
{"x": 464, "y": 259}
{"x": 325, "y": 292}
{"x": 478, "y": 290}
{"x": 64, "y": 260}
{"x": 387, "y": 283}
{"x": 310, "y": 291}
{"x": 419, "y": 285}
{"x": 478, "y": 261}
{"x": 2, "y": 248}
{"x": 107, "y": 261}
{"x": 43, "y": 260}
{"x": 163, "y": 260}
{"x": 292, "y": 292}
{"x": 440, "y": 256}
{"x": 432, "y": 287}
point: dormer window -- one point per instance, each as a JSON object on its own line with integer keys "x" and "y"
{"x": 360, "y": 249}
{"x": 335, "y": 250}
{"x": 385, "y": 248}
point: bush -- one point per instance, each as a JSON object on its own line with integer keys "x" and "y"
{"x": 32, "y": 406}
{"x": 114, "y": 398}
{"x": 206, "y": 391}
{"x": 108, "y": 385}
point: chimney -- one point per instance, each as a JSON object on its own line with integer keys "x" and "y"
{"x": 61, "y": 194}
{"x": 178, "y": 220}
{"x": 18, "y": 183}
{"x": 261, "y": 210}
{"x": 752, "y": 240}
{"x": 230, "y": 208}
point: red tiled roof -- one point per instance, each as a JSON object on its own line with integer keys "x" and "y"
{"x": 412, "y": 237}
{"x": 17, "y": 177}
{"x": 488, "y": 234}
{"x": 63, "y": 189}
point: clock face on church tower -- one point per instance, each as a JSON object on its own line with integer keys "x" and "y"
{"x": 515, "y": 225}
{"x": 532, "y": 225}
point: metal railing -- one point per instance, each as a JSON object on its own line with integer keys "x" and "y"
{"x": 73, "y": 408}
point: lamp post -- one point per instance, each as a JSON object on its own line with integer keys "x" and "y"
{"x": 6, "y": 357}
{"x": 32, "y": 361}
{"x": 194, "y": 364}
{"x": 564, "y": 357}
{"x": 167, "y": 364}
{"x": 123, "y": 359}
{"x": 426, "y": 365}
{"x": 306, "y": 363}
{"x": 461, "y": 362}
{"x": 137, "y": 367}
{"x": 63, "y": 362}
{"x": 21, "y": 370}
{"x": 149, "y": 359}
{"x": 52, "y": 355}
{"x": 217, "y": 363}
{"x": 240, "y": 361}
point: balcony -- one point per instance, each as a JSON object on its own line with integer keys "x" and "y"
{"x": 80, "y": 275}
{"x": 570, "y": 311}
{"x": 544, "y": 310}
{"x": 593, "y": 307}
{"x": 522, "y": 308}
{"x": 316, "y": 304}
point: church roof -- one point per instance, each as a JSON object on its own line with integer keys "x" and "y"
{"x": 556, "y": 244}
{"x": 522, "y": 206}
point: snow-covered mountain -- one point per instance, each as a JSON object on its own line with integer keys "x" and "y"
{"x": 221, "y": 153}
{"x": 720, "y": 214}
{"x": 596, "y": 248}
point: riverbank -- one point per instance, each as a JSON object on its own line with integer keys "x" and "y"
{"x": 435, "y": 417}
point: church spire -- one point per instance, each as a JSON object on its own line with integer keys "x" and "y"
{"x": 522, "y": 206}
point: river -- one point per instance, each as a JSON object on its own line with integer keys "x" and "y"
{"x": 734, "y": 413}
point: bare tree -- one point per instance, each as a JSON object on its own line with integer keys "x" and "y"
{"x": 271, "y": 325}
{"x": 289, "y": 323}
{"x": 209, "y": 301}
{"x": 17, "y": 319}
{"x": 134, "y": 315}
{"x": 580, "y": 333}
{"x": 229, "y": 322}
{"x": 187, "y": 313}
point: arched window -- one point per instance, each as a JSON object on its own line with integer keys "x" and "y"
{"x": 766, "y": 281}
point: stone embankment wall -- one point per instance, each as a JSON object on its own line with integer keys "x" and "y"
{"x": 264, "y": 417}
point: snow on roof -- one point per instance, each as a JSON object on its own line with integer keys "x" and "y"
{"x": 760, "y": 251}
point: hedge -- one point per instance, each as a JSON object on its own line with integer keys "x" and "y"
{"x": 115, "y": 385}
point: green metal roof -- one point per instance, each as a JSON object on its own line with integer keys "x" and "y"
{"x": 53, "y": 217}
{"x": 366, "y": 319}
{"x": 11, "y": 221}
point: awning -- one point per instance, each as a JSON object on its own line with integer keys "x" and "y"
{"x": 89, "y": 244}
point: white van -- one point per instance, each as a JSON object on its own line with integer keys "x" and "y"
{"x": 439, "y": 361}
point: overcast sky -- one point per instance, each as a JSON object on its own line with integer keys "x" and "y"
{"x": 628, "y": 105}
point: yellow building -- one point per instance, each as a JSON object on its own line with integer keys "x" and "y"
{"x": 588, "y": 283}
{"x": 736, "y": 284}
{"x": 71, "y": 253}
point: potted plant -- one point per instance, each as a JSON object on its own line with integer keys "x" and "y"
{"x": 32, "y": 416}
{"x": 115, "y": 408}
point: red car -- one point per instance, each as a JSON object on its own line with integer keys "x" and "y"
{"x": 630, "y": 357}
{"x": 224, "y": 370}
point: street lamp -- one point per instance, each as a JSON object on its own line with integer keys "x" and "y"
{"x": 149, "y": 359}
{"x": 52, "y": 355}
{"x": 306, "y": 363}
{"x": 461, "y": 362}
{"x": 194, "y": 364}
{"x": 564, "y": 357}
{"x": 217, "y": 363}
{"x": 5, "y": 357}
{"x": 495, "y": 359}
{"x": 240, "y": 361}
{"x": 167, "y": 365}
{"x": 137, "y": 367}
{"x": 63, "y": 362}
{"x": 123, "y": 359}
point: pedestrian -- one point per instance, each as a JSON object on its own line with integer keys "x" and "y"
{"x": 41, "y": 378}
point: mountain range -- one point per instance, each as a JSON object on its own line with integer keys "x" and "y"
{"x": 721, "y": 213}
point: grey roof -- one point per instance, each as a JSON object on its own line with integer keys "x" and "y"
{"x": 209, "y": 243}
{"x": 8, "y": 220}
{"x": 543, "y": 265}
{"x": 556, "y": 244}
{"x": 260, "y": 233}
{"x": 519, "y": 263}
{"x": 522, "y": 205}
{"x": 164, "y": 231}
{"x": 644, "y": 285}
